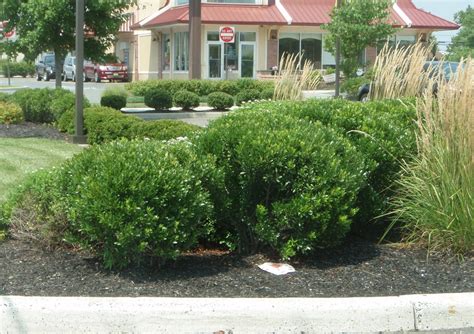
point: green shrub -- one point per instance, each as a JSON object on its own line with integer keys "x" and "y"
{"x": 384, "y": 132}
{"x": 267, "y": 94}
{"x": 156, "y": 206}
{"x": 186, "y": 100}
{"x": 289, "y": 184}
{"x": 4, "y": 97}
{"x": 64, "y": 101}
{"x": 228, "y": 87}
{"x": 220, "y": 101}
{"x": 116, "y": 102}
{"x": 103, "y": 124}
{"x": 247, "y": 96}
{"x": 351, "y": 85}
{"x": 158, "y": 99}
{"x": 10, "y": 113}
{"x": 35, "y": 104}
{"x": 22, "y": 69}
{"x": 162, "y": 129}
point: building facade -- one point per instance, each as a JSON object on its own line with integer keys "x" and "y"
{"x": 155, "y": 41}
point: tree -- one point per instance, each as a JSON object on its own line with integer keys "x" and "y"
{"x": 50, "y": 26}
{"x": 358, "y": 24}
{"x": 463, "y": 43}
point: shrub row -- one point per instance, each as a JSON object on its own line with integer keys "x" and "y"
{"x": 44, "y": 105}
{"x": 103, "y": 124}
{"x": 10, "y": 113}
{"x": 199, "y": 87}
{"x": 289, "y": 177}
{"x": 22, "y": 68}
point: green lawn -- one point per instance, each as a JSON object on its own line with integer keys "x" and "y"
{"x": 18, "y": 157}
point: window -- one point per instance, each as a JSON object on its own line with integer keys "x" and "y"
{"x": 310, "y": 46}
{"x": 181, "y": 51}
{"x": 231, "y": 50}
{"x": 166, "y": 49}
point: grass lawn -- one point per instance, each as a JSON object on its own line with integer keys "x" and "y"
{"x": 20, "y": 156}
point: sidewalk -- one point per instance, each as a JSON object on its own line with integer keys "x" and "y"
{"x": 443, "y": 313}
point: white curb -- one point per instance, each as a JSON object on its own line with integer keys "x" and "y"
{"x": 239, "y": 315}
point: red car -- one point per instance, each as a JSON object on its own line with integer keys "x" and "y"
{"x": 107, "y": 71}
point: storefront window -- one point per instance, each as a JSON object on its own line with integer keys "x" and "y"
{"x": 308, "y": 45}
{"x": 166, "y": 47}
{"x": 181, "y": 51}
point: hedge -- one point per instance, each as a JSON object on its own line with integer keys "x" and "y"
{"x": 103, "y": 124}
{"x": 199, "y": 87}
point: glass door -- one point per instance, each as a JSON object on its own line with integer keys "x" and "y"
{"x": 215, "y": 60}
{"x": 247, "y": 60}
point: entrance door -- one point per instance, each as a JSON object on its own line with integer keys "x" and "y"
{"x": 247, "y": 60}
{"x": 216, "y": 61}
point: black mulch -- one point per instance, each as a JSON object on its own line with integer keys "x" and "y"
{"x": 30, "y": 130}
{"x": 358, "y": 268}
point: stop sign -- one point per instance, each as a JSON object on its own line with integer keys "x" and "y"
{"x": 227, "y": 34}
{"x": 9, "y": 34}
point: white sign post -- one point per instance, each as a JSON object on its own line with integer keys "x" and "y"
{"x": 227, "y": 34}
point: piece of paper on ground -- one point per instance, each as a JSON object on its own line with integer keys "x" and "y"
{"x": 277, "y": 268}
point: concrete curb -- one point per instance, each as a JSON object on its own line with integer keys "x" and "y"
{"x": 240, "y": 315}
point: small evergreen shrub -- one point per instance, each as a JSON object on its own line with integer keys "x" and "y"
{"x": 247, "y": 96}
{"x": 116, "y": 102}
{"x": 186, "y": 100}
{"x": 10, "y": 113}
{"x": 4, "y": 97}
{"x": 220, "y": 101}
{"x": 289, "y": 185}
{"x": 351, "y": 85}
{"x": 64, "y": 101}
{"x": 228, "y": 86}
{"x": 158, "y": 99}
{"x": 267, "y": 94}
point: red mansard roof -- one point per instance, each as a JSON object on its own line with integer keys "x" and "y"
{"x": 222, "y": 14}
{"x": 298, "y": 12}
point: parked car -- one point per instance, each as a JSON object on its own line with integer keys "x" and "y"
{"x": 448, "y": 69}
{"x": 106, "y": 71}
{"x": 45, "y": 67}
{"x": 69, "y": 69}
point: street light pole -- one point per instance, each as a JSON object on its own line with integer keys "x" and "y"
{"x": 338, "y": 59}
{"x": 79, "y": 137}
{"x": 195, "y": 39}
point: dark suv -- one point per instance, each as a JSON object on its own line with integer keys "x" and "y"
{"x": 45, "y": 69}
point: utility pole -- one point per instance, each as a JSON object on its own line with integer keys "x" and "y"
{"x": 194, "y": 39}
{"x": 79, "y": 137}
{"x": 338, "y": 58}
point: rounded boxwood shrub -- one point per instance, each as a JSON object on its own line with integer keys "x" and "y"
{"x": 10, "y": 113}
{"x": 162, "y": 129}
{"x": 267, "y": 94}
{"x": 158, "y": 99}
{"x": 64, "y": 101}
{"x": 220, "y": 101}
{"x": 136, "y": 199}
{"x": 116, "y": 102}
{"x": 186, "y": 100}
{"x": 247, "y": 96}
{"x": 4, "y": 97}
{"x": 289, "y": 184}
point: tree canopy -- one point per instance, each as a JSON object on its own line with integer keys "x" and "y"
{"x": 463, "y": 43}
{"x": 50, "y": 26}
{"x": 358, "y": 24}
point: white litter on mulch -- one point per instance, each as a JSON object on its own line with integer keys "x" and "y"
{"x": 277, "y": 268}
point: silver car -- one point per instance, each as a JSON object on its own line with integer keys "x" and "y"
{"x": 69, "y": 69}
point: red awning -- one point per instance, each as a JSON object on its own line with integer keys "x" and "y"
{"x": 222, "y": 14}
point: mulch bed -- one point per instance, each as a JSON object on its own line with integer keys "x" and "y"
{"x": 31, "y": 130}
{"x": 357, "y": 268}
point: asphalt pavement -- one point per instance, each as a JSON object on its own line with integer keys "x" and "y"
{"x": 93, "y": 91}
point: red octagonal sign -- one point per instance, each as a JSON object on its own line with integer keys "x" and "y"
{"x": 227, "y": 34}
{"x": 9, "y": 34}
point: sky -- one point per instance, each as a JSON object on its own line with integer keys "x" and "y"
{"x": 445, "y": 9}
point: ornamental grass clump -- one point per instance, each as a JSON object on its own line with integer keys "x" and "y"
{"x": 436, "y": 200}
{"x": 398, "y": 72}
{"x": 294, "y": 77}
